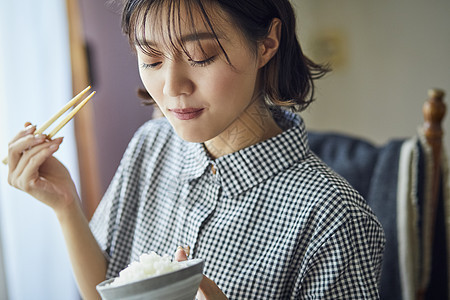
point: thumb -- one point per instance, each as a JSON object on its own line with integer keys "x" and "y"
{"x": 180, "y": 254}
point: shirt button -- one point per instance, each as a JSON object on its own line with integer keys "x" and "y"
{"x": 213, "y": 170}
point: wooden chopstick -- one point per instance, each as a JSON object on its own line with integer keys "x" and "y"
{"x": 66, "y": 107}
{"x": 70, "y": 116}
{"x": 61, "y": 111}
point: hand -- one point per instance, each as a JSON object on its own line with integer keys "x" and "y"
{"x": 33, "y": 169}
{"x": 207, "y": 290}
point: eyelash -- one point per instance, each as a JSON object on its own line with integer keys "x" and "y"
{"x": 202, "y": 63}
{"x": 149, "y": 66}
{"x": 193, "y": 63}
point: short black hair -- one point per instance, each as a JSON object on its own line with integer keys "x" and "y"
{"x": 288, "y": 77}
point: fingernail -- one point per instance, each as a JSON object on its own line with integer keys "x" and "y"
{"x": 187, "y": 249}
{"x": 180, "y": 248}
{"x": 53, "y": 147}
{"x": 30, "y": 128}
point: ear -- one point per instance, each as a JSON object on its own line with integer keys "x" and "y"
{"x": 269, "y": 46}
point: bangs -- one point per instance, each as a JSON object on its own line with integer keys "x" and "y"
{"x": 162, "y": 27}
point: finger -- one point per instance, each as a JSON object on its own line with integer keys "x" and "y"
{"x": 29, "y": 173}
{"x": 17, "y": 148}
{"x": 28, "y": 155}
{"x": 30, "y": 162}
{"x": 180, "y": 254}
{"x": 187, "y": 249}
{"x": 208, "y": 289}
{"x": 26, "y": 131}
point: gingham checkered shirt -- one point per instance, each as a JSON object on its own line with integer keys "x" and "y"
{"x": 273, "y": 222}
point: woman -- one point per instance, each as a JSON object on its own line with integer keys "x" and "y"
{"x": 227, "y": 172}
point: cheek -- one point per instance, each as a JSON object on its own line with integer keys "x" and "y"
{"x": 227, "y": 85}
{"x": 151, "y": 84}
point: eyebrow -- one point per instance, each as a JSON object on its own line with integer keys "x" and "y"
{"x": 185, "y": 38}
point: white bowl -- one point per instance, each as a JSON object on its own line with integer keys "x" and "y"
{"x": 177, "y": 285}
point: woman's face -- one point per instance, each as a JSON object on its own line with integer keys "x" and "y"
{"x": 203, "y": 95}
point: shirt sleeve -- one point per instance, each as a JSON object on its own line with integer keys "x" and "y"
{"x": 114, "y": 221}
{"x": 105, "y": 223}
{"x": 347, "y": 265}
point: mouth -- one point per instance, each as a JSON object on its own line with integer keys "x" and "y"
{"x": 186, "y": 113}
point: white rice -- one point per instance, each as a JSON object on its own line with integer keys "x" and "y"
{"x": 150, "y": 264}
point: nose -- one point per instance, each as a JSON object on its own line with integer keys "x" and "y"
{"x": 177, "y": 81}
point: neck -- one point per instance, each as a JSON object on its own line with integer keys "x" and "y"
{"x": 254, "y": 125}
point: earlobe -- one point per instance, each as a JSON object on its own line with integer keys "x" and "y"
{"x": 269, "y": 46}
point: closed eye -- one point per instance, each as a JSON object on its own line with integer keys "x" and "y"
{"x": 150, "y": 66}
{"x": 202, "y": 63}
{"x": 193, "y": 63}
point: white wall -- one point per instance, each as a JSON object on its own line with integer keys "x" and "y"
{"x": 35, "y": 80}
{"x": 387, "y": 53}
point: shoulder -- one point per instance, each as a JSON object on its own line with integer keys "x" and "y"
{"x": 334, "y": 212}
{"x": 332, "y": 200}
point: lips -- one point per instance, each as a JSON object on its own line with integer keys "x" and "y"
{"x": 186, "y": 113}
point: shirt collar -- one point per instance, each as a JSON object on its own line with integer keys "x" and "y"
{"x": 196, "y": 161}
{"x": 241, "y": 170}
